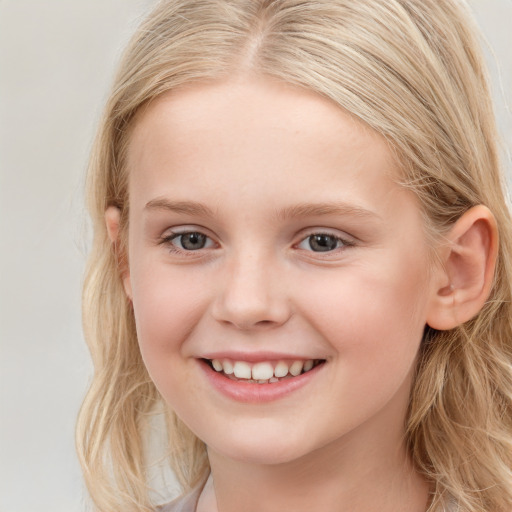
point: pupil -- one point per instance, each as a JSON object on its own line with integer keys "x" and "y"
{"x": 323, "y": 243}
{"x": 193, "y": 241}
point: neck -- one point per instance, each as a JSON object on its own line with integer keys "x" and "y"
{"x": 339, "y": 477}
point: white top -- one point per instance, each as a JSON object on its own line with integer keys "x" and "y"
{"x": 186, "y": 503}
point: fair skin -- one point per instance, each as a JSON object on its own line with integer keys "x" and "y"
{"x": 266, "y": 225}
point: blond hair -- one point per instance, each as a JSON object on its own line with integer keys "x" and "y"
{"x": 413, "y": 72}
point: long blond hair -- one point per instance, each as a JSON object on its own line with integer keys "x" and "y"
{"x": 413, "y": 72}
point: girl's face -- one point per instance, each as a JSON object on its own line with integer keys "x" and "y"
{"x": 267, "y": 233}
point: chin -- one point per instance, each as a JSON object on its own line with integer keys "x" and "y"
{"x": 260, "y": 449}
{"x": 263, "y": 455}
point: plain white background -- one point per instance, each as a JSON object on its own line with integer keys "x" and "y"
{"x": 57, "y": 58}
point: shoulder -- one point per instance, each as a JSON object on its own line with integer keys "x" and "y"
{"x": 182, "y": 504}
{"x": 185, "y": 503}
{"x": 449, "y": 505}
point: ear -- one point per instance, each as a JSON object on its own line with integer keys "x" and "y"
{"x": 112, "y": 221}
{"x": 466, "y": 273}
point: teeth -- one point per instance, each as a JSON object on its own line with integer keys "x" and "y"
{"x": 242, "y": 370}
{"x": 217, "y": 365}
{"x": 296, "y": 368}
{"x": 281, "y": 369}
{"x": 228, "y": 367}
{"x": 262, "y": 371}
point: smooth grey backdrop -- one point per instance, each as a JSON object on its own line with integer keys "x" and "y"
{"x": 56, "y": 62}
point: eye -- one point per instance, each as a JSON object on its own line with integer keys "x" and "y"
{"x": 189, "y": 241}
{"x": 322, "y": 242}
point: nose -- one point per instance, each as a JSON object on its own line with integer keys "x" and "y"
{"x": 252, "y": 295}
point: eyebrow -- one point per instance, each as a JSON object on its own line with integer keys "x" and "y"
{"x": 321, "y": 209}
{"x": 184, "y": 207}
{"x": 289, "y": 212}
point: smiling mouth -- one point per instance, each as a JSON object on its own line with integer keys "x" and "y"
{"x": 266, "y": 372}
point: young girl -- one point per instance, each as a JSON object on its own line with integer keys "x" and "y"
{"x": 302, "y": 249}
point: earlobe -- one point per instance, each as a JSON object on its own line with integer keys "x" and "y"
{"x": 112, "y": 221}
{"x": 466, "y": 271}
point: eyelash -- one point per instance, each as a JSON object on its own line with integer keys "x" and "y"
{"x": 341, "y": 243}
{"x": 169, "y": 239}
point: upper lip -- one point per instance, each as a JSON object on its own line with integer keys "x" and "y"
{"x": 255, "y": 357}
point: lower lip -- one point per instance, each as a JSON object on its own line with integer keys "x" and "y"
{"x": 249, "y": 392}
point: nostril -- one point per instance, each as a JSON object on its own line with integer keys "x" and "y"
{"x": 264, "y": 323}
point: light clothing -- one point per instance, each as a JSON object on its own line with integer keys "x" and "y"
{"x": 186, "y": 503}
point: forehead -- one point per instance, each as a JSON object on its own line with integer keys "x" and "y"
{"x": 256, "y": 138}
{"x": 254, "y": 105}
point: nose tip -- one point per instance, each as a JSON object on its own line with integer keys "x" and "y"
{"x": 250, "y": 312}
{"x": 252, "y": 300}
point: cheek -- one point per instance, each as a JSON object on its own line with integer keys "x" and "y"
{"x": 166, "y": 310}
{"x": 374, "y": 324}
{"x": 373, "y": 314}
